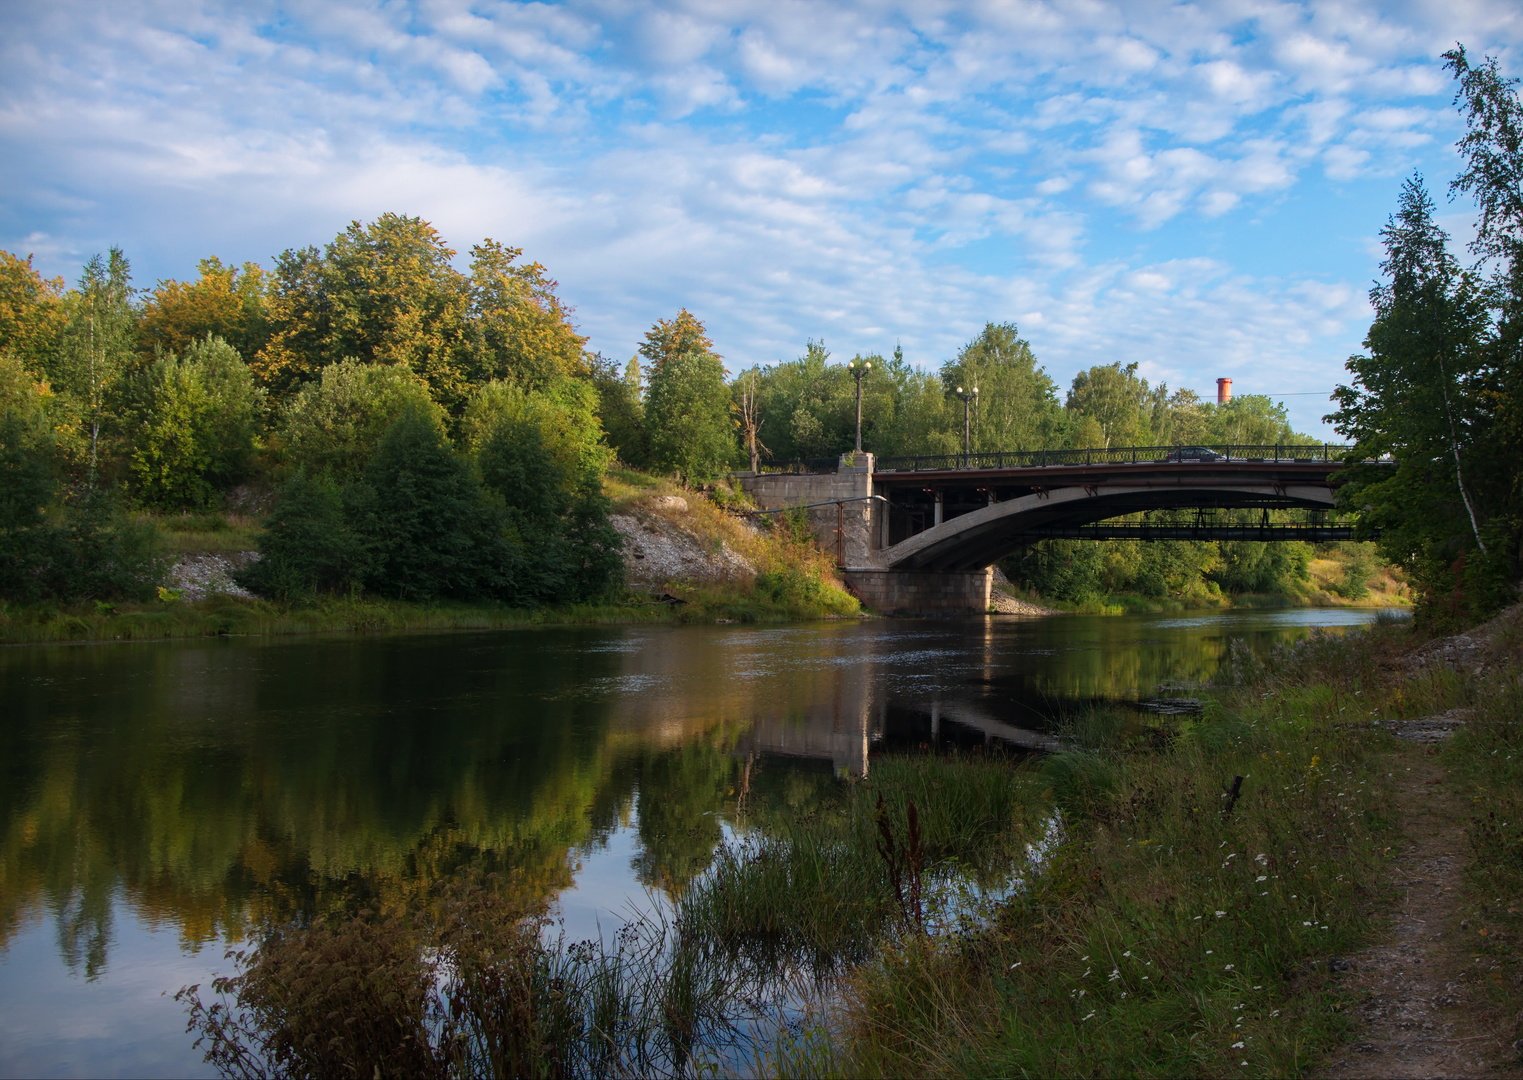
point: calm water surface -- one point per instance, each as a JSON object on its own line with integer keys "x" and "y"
{"x": 155, "y": 799}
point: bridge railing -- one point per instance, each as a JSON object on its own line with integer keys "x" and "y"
{"x": 1115, "y": 455}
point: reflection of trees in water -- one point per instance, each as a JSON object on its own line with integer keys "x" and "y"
{"x": 217, "y": 799}
{"x": 219, "y": 785}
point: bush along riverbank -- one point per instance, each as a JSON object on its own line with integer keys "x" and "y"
{"x": 1163, "y": 897}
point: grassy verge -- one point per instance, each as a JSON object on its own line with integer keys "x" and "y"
{"x": 1485, "y": 760}
{"x": 225, "y": 616}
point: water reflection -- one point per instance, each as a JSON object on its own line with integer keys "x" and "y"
{"x": 200, "y": 788}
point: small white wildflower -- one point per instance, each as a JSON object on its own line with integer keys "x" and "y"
{"x": 1229, "y": 967}
{"x": 1127, "y": 953}
{"x": 1261, "y": 877}
{"x": 1238, "y": 1046}
{"x": 1088, "y": 1016}
{"x": 1219, "y": 914}
{"x": 1114, "y": 975}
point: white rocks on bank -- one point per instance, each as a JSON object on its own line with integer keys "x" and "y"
{"x": 195, "y": 577}
{"x": 657, "y": 550}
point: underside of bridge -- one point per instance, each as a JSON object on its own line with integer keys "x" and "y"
{"x": 976, "y": 539}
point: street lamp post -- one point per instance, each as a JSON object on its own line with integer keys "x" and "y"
{"x": 967, "y": 396}
{"x": 858, "y": 370}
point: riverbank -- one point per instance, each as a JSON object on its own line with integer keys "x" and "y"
{"x": 1301, "y": 882}
{"x": 687, "y": 559}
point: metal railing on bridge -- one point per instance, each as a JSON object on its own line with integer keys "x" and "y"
{"x": 1329, "y": 453}
{"x": 1115, "y": 455}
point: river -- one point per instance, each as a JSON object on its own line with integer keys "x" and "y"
{"x": 156, "y": 799}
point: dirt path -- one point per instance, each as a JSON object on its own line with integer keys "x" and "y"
{"x": 1422, "y": 1007}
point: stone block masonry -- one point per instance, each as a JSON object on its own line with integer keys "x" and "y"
{"x": 843, "y": 516}
{"x": 911, "y": 592}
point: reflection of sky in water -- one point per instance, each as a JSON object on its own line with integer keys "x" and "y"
{"x": 125, "y": 1022}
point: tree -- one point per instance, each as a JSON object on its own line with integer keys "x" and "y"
{"x": 1249, "y": 419}
{"x": 431, "y": 531}
{"x": 620, "y": 407}
{"x": 225, "y": 302}
{"x": 196, "y": 417}
{"x": 1492, "y": 149}
{"x": 312, "y": 542}
{"x": 1017, "y": 405}
{"x": 520, "y": 328}
{"x": 1416, "y": 398}
{"x": 1116, "y": 399}
{"x": 541, "y": 455}
{"x": 31, "y": 313}
{"x": 336, "y": 424}
{"x": 98, "y": 343}
{"x": 750, "y": 419}
{"x": 383, "y": 293}
{"x": 687, "y": 408}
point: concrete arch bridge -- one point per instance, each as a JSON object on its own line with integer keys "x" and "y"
{"x": 922, "y": 534}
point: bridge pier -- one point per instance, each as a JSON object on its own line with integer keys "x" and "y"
{"x": 921, "y": 592}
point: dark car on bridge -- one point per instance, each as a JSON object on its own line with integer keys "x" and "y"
{"x": 1192, "y": 453}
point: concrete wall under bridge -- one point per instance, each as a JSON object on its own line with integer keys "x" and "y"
{"x": 911, "y": 592}
{"x": 848, "y": 519}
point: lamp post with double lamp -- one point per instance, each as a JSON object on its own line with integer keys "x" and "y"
{"x": 858, "y": 369}
{"x": 967, "y": 396}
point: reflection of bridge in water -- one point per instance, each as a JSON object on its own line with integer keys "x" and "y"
{"x": 920, "y": 534}
{"x": 847, "y": 739}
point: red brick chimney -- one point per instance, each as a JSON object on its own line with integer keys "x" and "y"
{"x": 1223, "y": 391}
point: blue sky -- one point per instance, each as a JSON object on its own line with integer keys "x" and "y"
{"x": 1194, "y": 187}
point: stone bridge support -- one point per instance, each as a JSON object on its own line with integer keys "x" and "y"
{"x": 839, "y": 505}
{"x": 849, "y": 521}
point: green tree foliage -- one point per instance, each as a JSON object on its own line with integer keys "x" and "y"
{"x": 311, "y": 542}
{"x": 335, "y": 425}
{"x": 520, "y": 329}
{"x": 383, "y": 293}
{"x": 31, "y": 313}
{"x": 432, "y": 532}
{"x": 196, "y": 417}
{"x": 388, "y": 293}
{"x": 542, "y": 456}
{"x": 1248, "y": 419}
{"x": 621, "y": 408}
{"x": 1110, "y": 405}
{"x": 687, "y": 406}
{"x": 1419, "y": 397}
{"x": 1249, "y": 566}
{"x": 53, "y": 548}
{"x": 224, "y": 301}
{"x": 1017, "y": 405}
{"x": 28, "y": 488}
{"x": 98, "y": 344}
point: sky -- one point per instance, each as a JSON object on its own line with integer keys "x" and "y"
{"x": 1194, "y": 187}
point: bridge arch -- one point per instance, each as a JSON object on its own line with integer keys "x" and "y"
{"x": 977, "y": 539}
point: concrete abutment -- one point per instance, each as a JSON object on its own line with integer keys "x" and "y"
{"x": 848, "y": 520}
